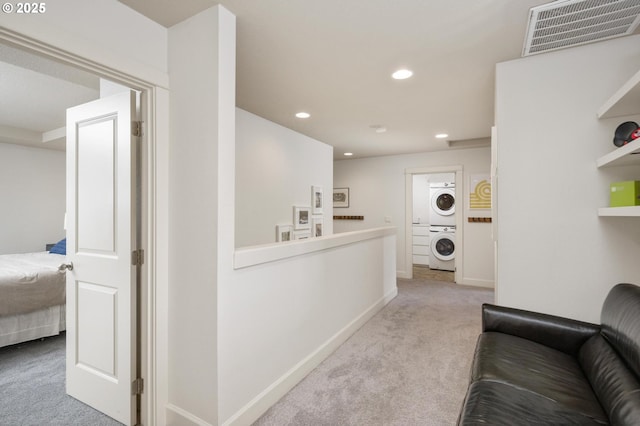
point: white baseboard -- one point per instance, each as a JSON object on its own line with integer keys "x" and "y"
{"x": 261, "y": 403}
{"x": 403, "y": 274}
{"x": 478, "y": 283}
{"x": 176, "y": 416}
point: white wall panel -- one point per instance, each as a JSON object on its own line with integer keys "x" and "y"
{"x": 555, "y": 254}
{"x": 32, "y": 185}
{"x": 275, "y": 169}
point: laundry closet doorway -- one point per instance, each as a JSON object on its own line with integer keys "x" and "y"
{"x": 432, "y": 227}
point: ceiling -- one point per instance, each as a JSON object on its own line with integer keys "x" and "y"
{"x": 332, "y": 59}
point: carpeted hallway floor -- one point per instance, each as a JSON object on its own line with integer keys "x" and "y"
{"x": 409, "y": 365}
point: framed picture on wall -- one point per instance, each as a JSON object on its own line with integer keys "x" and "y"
{"x": 340, "y": 197}
{"x": 317, "y": 201}
{"x": 301, "y": 217}
{"x": 284, "y": 233}
{"x": 316, "y": 226}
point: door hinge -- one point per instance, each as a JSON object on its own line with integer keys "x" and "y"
{"x": 137, "y": 257}
{"x": 137, "y": 386}
{"x": 136, "y": 128}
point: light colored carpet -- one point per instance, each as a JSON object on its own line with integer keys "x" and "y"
{"x": 409, "y": 365}
{"x": 32, "y": 387}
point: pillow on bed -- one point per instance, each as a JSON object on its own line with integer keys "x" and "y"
{"x": 60, "y": 247}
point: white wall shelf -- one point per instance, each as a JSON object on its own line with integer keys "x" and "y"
{"x": 631, "y": 211}
{"x": 623, "y": 156}
{"x": 626, "y": 101}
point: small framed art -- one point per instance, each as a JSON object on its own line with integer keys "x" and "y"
{"x": 301, "y": 217}
{"x": 284, "y": 233}
{"x": 316, "y": 226}
{"x": 340, "y": 197}
{"x": 317, "y": 200}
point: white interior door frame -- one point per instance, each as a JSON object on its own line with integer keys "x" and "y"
{"x": 408, "y": 221}
{"x": 154, "y": 203}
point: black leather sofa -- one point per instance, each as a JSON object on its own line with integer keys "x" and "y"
{"x": 536, "y": 369}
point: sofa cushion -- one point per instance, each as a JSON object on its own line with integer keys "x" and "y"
{"x": 501, "y": 404}
{"x": 621, "y": 323}
{"x": 540, "y": 370}
{"x": 616, "y": 387}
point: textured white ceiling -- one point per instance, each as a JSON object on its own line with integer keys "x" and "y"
{"x": 35, "y": 93}
{"x": 334, "y": 58}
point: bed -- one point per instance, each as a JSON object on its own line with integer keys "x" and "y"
{"x": 32, "y": 296}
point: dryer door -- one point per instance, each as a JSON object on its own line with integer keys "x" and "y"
{"x": 443, "y": 202}
{"x": 442, "y": 246}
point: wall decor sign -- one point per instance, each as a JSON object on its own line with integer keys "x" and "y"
{"x": 301, "y": 217}
{"x": 317, "y": 200}
{"x": 340, "y": 197}
{"x": 480, "y": 191}
{"x": 284, "y": 233}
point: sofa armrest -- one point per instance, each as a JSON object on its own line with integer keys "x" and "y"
{"x": 564, "y": 334}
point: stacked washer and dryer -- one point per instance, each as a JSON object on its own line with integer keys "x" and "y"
{"x": 442, "y": 229}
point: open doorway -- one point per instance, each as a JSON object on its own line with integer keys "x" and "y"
{"x": 434, "y": 226}
{"x": 34, "y": 127}
{"x": 433, "y": 229}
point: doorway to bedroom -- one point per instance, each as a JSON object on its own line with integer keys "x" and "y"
{"x": 34, "y": 95}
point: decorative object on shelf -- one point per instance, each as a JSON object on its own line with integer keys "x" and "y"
{"x": 301, "y": 217}
{"x": 317, "y": 201}
{"x": 480, "y": 194}
{"x": 625, "y": 133}
{"x": 316, "y": 226}
{"x": 348, "y": 218}
{"x": 284, "y": 233}
{"x": 340, "y": 197}
{"x": 301, "y": 235}
{"x": 479, "y": 219}
{"x": 623, "y": 194}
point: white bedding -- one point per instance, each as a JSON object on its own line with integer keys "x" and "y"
{"x": 30, "y": 282}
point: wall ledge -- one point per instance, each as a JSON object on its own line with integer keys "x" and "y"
{"x": 256, "y": 255}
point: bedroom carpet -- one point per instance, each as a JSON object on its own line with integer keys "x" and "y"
{"x": 32, "y": 387}
{"x": 409, "y": 365}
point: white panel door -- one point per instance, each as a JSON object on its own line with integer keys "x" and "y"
{"x": 101, "y": 286}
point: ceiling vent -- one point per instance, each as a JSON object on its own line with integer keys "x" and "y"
{"x": 568, "y": 23}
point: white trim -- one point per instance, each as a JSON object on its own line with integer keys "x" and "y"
{"x": 261, "y": 403}
{"x": 477, "y": 283}
{"x": 266, "y": 253}
{"x": 83, "y": 54}
{"x": 408, "y": 220}
{"x": 120, "y": 70}
{"x": 179, "y": 416}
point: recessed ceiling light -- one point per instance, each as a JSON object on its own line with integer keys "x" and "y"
{"x": 348, "y": 154}
{"x": 378, "y": 128}
{"x": 402, "y": 74}
{"x": 441, "y": 135}
{"x": 303, "y": 115}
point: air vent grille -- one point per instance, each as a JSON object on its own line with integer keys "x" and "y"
{"x": 567, "y": 23}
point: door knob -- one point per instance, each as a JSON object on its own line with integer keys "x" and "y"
{"x": 66, "y": 267}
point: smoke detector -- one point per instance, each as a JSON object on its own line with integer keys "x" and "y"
{"x": 568, "y": 23}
